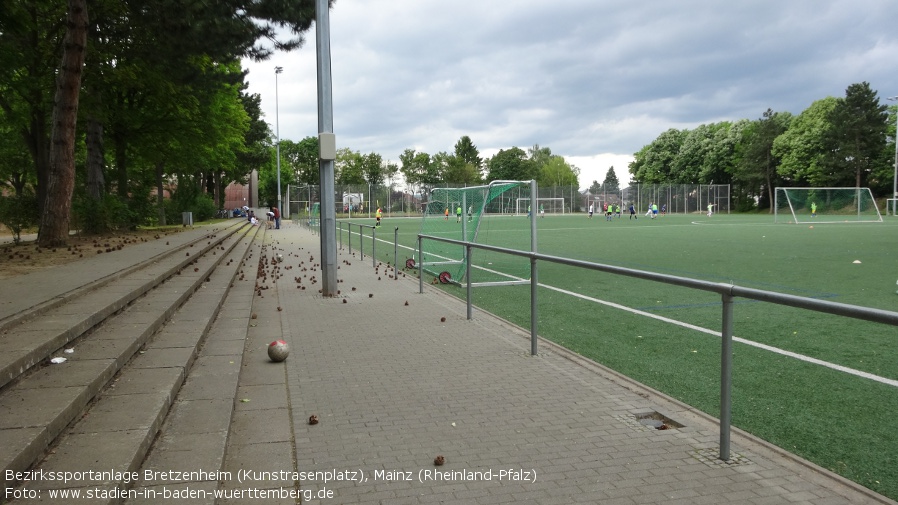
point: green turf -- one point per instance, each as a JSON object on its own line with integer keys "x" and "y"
{"x": 839, "y": 421}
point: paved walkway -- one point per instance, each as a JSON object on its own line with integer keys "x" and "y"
{"x": 397, "y": 378}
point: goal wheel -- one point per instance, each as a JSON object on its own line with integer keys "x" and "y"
{"x": 445, "y": 277}
{"x": 410, "y": 263}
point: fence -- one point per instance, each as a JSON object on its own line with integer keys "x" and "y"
{"x": 362, "y": 200}
{"x": 679, "y": 198}
{"x": 727, "y": 292}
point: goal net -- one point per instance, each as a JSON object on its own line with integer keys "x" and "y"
{"x": 480, "y": 214}
{"x": 825, "y": 205}
{"x": 543, "y": 206}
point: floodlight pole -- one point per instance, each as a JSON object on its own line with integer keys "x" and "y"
{"x": 895, "y": 180}
{"x": 277, "y": 130}
{"x": 326, "y": 150}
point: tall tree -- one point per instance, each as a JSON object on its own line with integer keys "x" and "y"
{"x": 57, "y": 204}
{"x": 510, "y": 165}
{"x": 466, "y": 151}
{"x": 804, "y": 152}
{"x": 756, "y": 168}
{"x": 611, "y": 184}
{"x": 858, "y": 133}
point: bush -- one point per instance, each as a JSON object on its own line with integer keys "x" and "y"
{"x": 19, "y": 213}
{"x": 201, "y": 205}
{"x": 99, "y": 216}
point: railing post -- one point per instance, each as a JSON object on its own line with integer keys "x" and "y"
{"x": 534, "y": 315}
{"x": 349, "y": 234}
{"x": 374, "y": 247}
{"x": 396, "y": 253}
{"x": 361, "y": 243}
{"x": 726, "y": 375}
{"x": 420, "y": 271}
{"x": 468, "y": 278}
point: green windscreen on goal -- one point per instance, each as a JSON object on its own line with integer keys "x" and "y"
{"x": 825, "y": 205}
{"x": 480, "y": 214}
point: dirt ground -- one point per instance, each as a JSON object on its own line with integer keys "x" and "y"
{"x": 27, "y": 257}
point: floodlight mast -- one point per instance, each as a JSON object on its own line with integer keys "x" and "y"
{"x": 895, "y": 180}
{"x": 277, "y": 130}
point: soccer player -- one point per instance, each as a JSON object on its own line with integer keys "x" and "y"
{"x": 458, "y": 214}
{"x": 542, "y": 211}
{"x": 813, "y": 209}
{"x": 378, "y": 215}
{"x": 470, "y": 213}
{"x": 710, "y": 209}
{"x": 447, "y": 213}
{"x": 654, "y": 210}
{"x": 633, "y": 212}
{"x": 591, "y": 209}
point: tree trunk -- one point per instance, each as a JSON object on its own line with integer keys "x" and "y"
{"x": 96, "y": 183}
{"x": 57, "y": 209}
{"x": 160, "y": 192}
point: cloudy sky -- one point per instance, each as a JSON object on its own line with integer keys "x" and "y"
{"x": 593, "y": 80}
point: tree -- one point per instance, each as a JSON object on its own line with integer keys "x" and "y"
{"x": 467, "y": 152}
{"x": 57, "y": 206}
{"x": 596, "y": 188}
{"x": 756, "y": 166}
{"x": 611, "y": 184}
{"x": 858, "y": 134}
{"x": 804, "y": 153}
{"x": 654, "y": 163}
{"x": 373, "y": 168}
{"x": 418, "y": 169}
{"x": 510, "y": 165}
{"x": 348, "y": 167}
{"x": 302, "y": 159}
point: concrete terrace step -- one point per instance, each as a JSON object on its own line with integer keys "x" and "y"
{"x": 41, "y": 331}
{"x": 40, "y": 406}
{"x": 31, "y": 294}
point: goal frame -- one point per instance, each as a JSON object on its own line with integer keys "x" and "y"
{"x": 891, "y": 206}
{"x": 782, "y": 200}
{"x": 452, "y": 268}
{"x": 520, "y": 205}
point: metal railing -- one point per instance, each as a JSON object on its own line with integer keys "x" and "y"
{"x": 361, "y": 237}
{"x": 727, "y": 292}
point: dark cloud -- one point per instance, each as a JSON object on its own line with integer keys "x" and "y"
{"x": 582, "y": 77}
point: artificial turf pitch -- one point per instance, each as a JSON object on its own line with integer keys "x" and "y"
{"x": 842, "y": 422}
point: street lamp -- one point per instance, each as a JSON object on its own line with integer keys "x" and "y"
{"x": 277, "y": 130}
{"x": 895, "y": 180}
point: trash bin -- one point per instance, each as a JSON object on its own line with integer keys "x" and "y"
{"x": 187, "y": 218}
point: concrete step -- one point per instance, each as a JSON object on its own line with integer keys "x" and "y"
{"x": 65, "y": 398}
{"x": 39, "y": 291}
{"x": 47, "y": 328}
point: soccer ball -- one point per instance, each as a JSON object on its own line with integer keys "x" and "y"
{"x": 278, "y": 350}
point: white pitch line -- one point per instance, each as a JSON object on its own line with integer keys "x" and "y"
{"x": 777, "y": 350}
{"x": 770, "y": 348}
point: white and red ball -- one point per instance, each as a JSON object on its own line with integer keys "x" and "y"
{"x": 278, "y": 350}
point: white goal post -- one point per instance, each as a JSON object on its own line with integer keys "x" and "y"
{"x": 825, "y": 205}
{"x": 550, "y": 205}
{"x": 892, "y": 206}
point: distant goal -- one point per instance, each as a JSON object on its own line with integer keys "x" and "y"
{"x": 548, "y": 205}
{"x": 825, "y": 205}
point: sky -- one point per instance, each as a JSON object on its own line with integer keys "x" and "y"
{"x": 593, "y": 80}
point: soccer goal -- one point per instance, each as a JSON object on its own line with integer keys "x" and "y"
{"x": 892, "y": 206}
{"x": 485, "y": 218}
{"x": 825, "y": 205}
{"x": 549, "y": 205}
